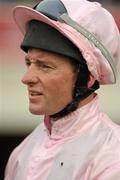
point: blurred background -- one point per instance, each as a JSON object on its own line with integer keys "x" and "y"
{"x": 15, "y": 120}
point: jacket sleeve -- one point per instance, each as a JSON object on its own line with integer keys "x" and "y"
{"x": 30, "y": 140}
{"x": 106, "y": 165}
{"x": 112, "y": 173}
{"x": 12, "y": 161}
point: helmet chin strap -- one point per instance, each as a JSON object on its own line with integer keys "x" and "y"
{"x": 80, "y": 92}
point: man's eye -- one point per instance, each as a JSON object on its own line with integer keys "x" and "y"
{"x": 27, "y": 63}
{"x": 46, "y": 66}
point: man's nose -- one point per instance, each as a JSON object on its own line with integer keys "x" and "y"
{"x": 30, "y": 77}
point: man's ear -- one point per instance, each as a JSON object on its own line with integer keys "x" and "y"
{"x": 91, "y": 81}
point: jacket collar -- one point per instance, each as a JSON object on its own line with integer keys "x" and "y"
{"x": 75, "y": 122}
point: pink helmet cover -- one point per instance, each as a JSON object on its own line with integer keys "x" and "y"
{"x": 96, "y": 20}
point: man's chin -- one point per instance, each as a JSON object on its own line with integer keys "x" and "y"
{"x": 36, "y": 112}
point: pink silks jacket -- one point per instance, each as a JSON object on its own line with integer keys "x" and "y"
{"x": 84, "y": 145}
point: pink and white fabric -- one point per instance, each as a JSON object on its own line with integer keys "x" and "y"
{"x": 84, "y": 145}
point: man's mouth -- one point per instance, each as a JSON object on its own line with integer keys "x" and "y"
{"x": 35, "y": 93}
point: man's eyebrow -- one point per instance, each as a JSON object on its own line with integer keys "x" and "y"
{"x": 39, "y": 61}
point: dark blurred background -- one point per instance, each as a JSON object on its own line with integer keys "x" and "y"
{"x": 15, "y": 120}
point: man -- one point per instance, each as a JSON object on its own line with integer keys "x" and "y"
{"x": 71, "y": 48}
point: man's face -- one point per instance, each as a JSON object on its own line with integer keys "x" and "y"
{"x": 50, "y": 80}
